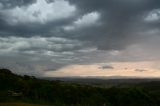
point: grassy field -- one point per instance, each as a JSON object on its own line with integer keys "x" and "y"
{"x": 19, "y": 104}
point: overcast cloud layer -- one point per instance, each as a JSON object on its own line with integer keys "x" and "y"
{"x": 42, "y": 35}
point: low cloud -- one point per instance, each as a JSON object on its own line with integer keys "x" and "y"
{"x": 140, "y": 70}
{"x": 33, "y": 45}
{"x": 106, "y": 67}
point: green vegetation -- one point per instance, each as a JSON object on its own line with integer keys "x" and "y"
{"x": 27, "y": 89}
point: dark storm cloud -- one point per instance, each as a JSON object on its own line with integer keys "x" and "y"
{"x": 121, "y": 20}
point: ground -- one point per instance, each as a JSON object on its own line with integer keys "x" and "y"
{"x": 19, "y": 104}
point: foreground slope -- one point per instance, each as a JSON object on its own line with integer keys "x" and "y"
{"x": 19, "y": 104}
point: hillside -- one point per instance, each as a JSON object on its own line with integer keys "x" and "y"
{"x": 28, "y": 89}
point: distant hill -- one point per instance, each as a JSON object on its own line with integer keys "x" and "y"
{"x": 104, "y": 80}
{"x": 28, "y": 89}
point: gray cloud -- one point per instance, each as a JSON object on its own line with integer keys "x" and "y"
{"x": 38, "y": 17}
{"x": 64, "y": 32}
{"x": 12, "y": 4}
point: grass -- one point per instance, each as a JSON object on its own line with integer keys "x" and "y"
{"x": 19, "y": 104}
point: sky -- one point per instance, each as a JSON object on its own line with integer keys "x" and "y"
{"x": 48, "y": 38}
